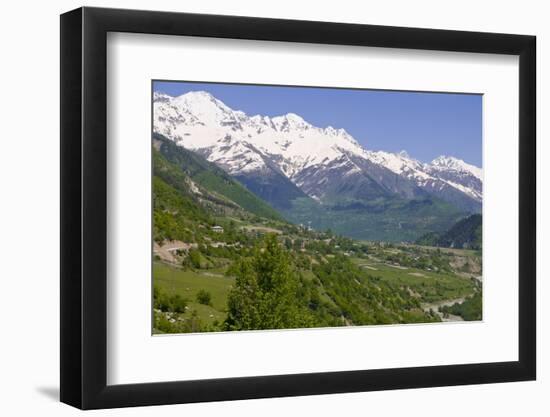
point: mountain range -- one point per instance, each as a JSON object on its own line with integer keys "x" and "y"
{"x": 322, "y": 176}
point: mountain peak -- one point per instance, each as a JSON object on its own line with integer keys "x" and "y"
{"x": 452, "y": 163}
{"x": 196, "y": 96}
{"x": 290, "y": 121}
{"x": 199, "y": 97}
{"x": 294, "y": 117}
{"x": 198, "y": 93}
{"x": 205, "y": 107}
{"x": 444, "y": 160}
{"x": 159, "y": 96}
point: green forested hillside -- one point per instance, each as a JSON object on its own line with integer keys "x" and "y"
{"x": 470, "y": 310}
{"x": 465, "y": 234}
{"x": 186, "y": 211}
{"x": 207, "y": 175}
{"x": 176, "y": 216}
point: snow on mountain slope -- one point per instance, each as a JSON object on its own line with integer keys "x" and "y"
{"x": 441, "y": 174}
{"x": 401, "y": 164}
{"x": 458, "y": 174}
{"x": 449, "y": 163}
{"x": 320, "y": 161}
{"x": 197, "y": 120}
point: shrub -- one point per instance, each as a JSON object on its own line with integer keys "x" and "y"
{"x": 163, "y": 302}
{"x": 178, "y": 304}
{"x": 204, "y": 297}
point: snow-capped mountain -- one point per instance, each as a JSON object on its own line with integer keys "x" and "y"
{"x": 284, "y": 157}
{"x": 199, "y": 121}
{"x": 465, "y": 177}
{"x": 446, "y": 176}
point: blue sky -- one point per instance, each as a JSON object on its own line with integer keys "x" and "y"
{"x": 425, "y": 125}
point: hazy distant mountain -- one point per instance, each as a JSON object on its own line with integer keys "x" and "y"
{"x": 465, "y": 234}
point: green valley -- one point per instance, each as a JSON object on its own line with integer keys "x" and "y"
{"x": 226, "y": 260}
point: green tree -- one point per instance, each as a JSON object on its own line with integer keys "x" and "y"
{"x": 288, "y": 243}
{"x": 266, "y": 292}
{"x": 204, "y": 297}
{"x": 194, "y": 258}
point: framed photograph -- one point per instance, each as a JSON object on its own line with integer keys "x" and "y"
{"x": 257, "y": 208}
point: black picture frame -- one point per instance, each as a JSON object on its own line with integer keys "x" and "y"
{"x": 84, "y": 207}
